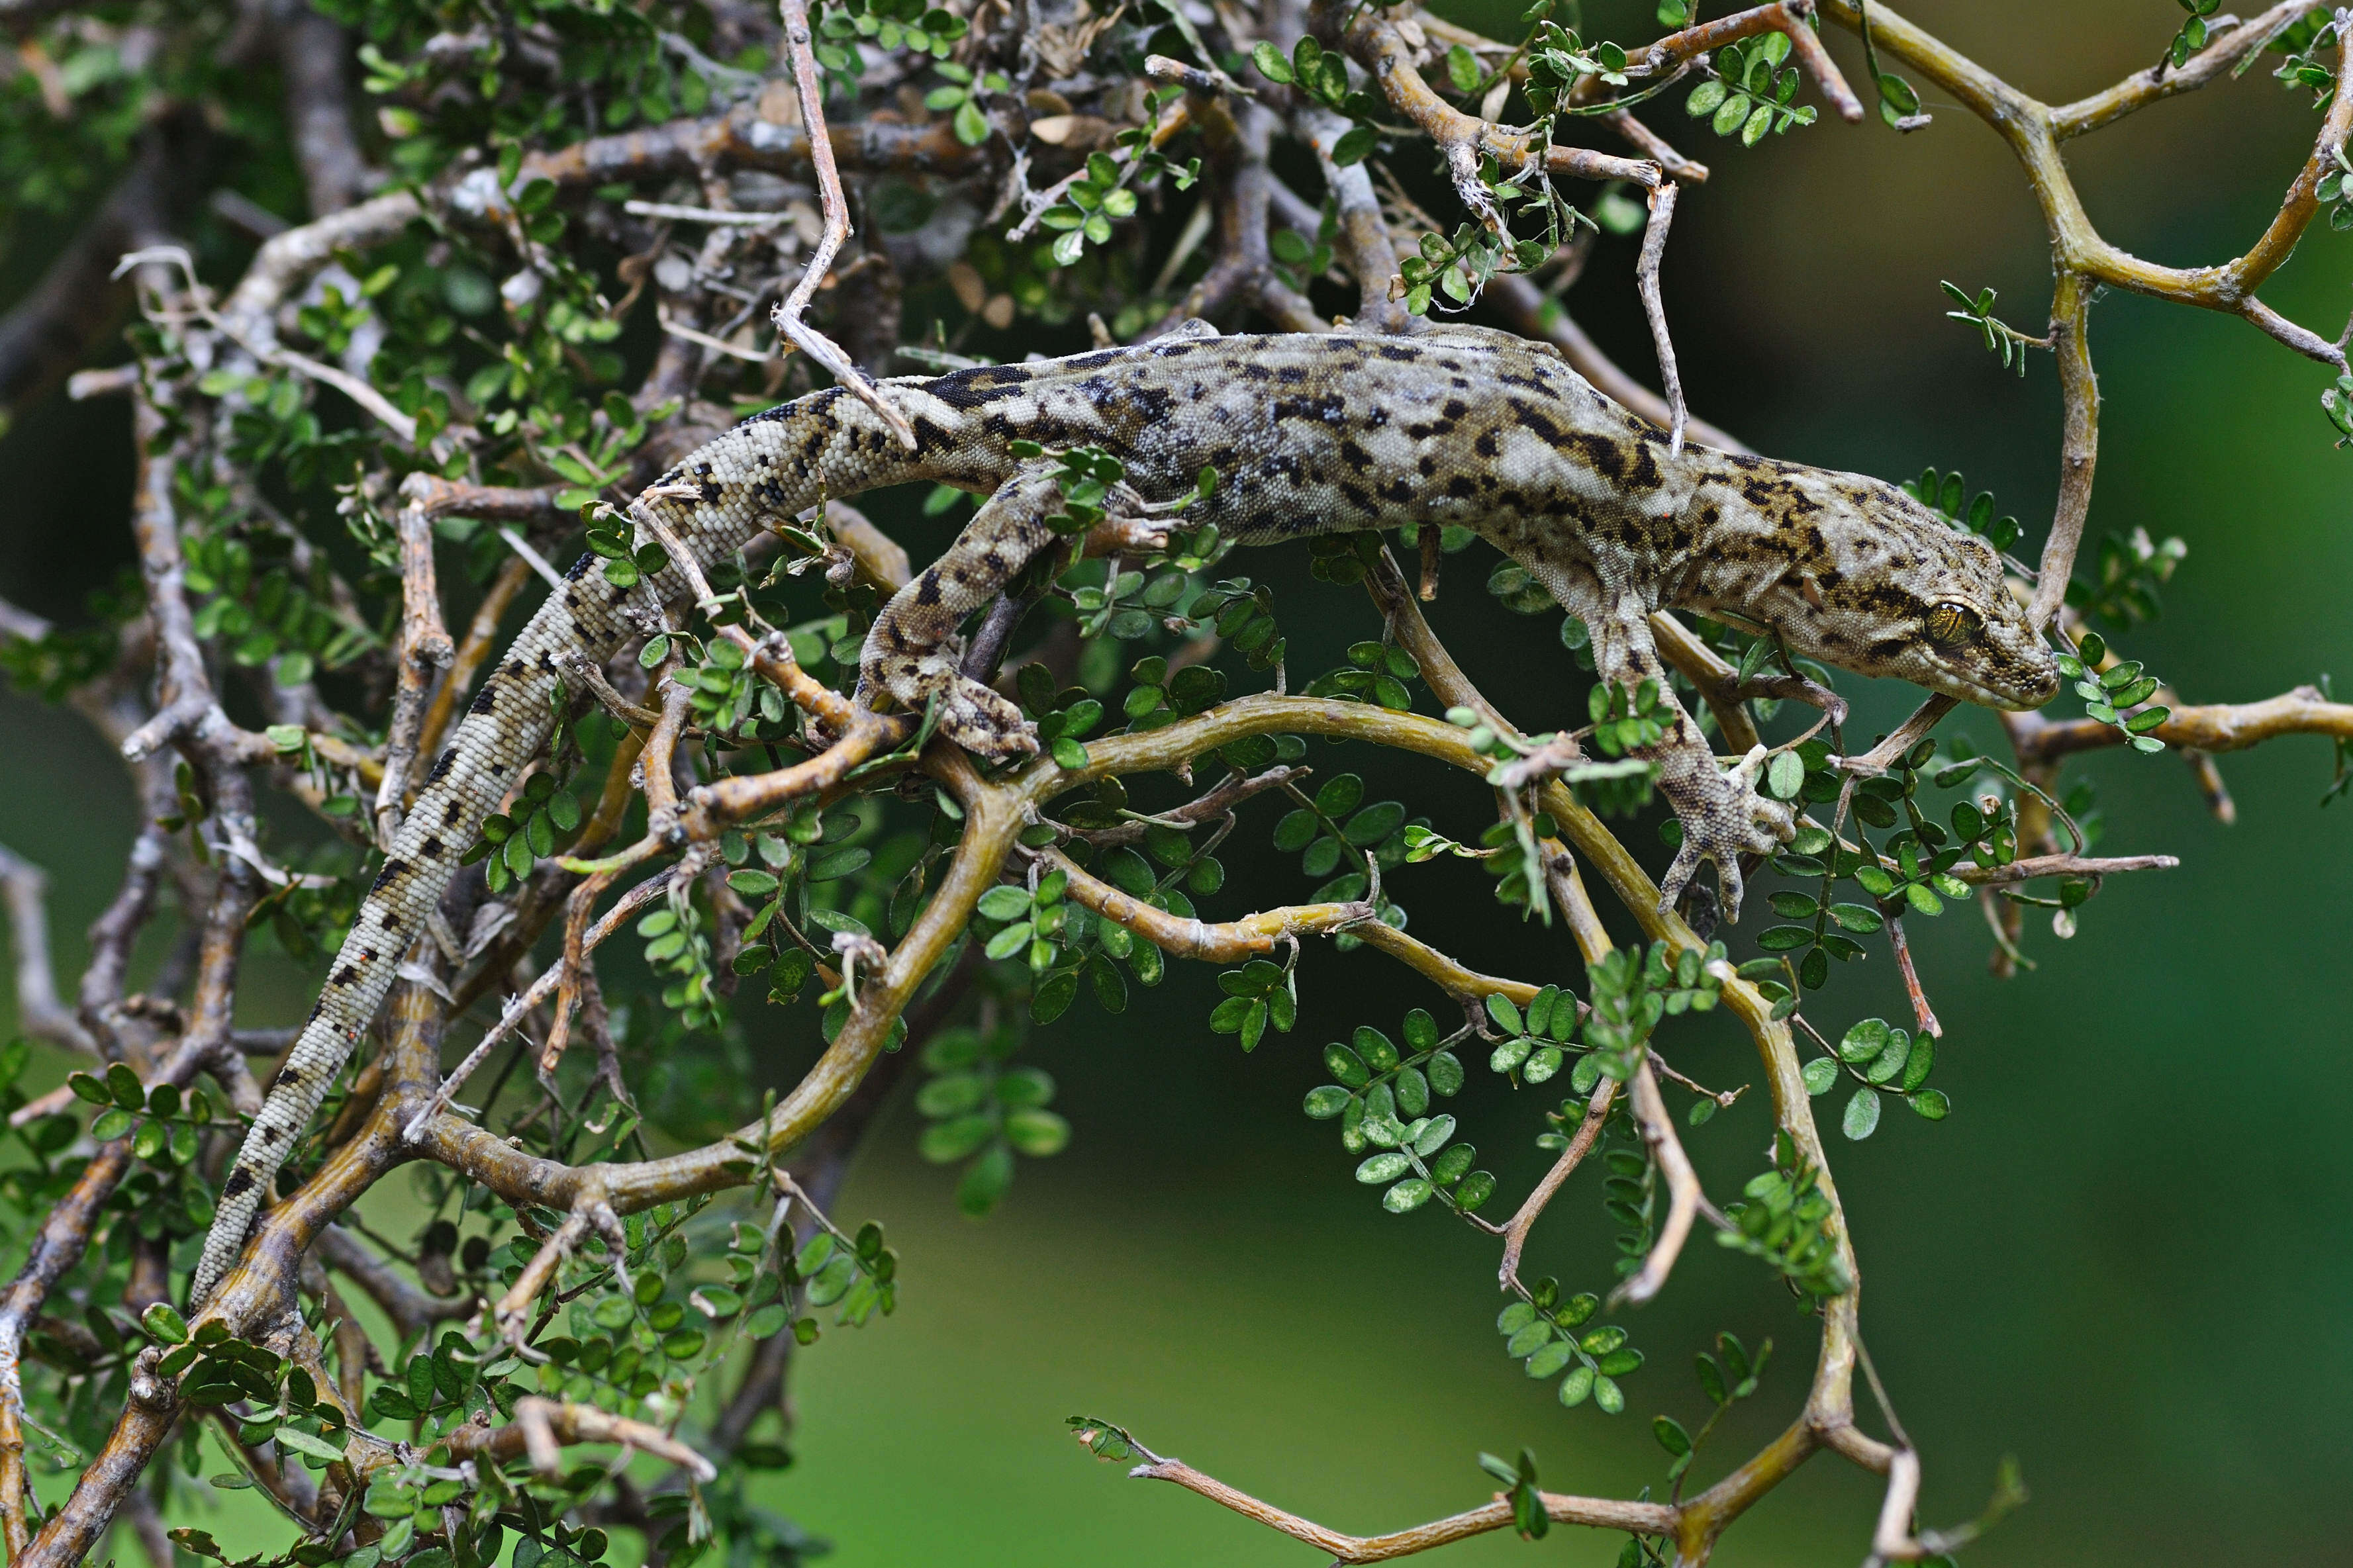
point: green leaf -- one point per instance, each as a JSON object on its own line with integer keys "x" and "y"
{"x": 1918, "y": 1063}
{"x": 1864, "y": 1041}
{"x": 1340, "y": 794}
{"x": 1550, "y": 1358}
{"x": 971, "y": 125}
{"x": 1620, "y": 1362}
{"x": 1433, "y": 1137}
{"x": 1533, "y": 1334}
{"x": 1407, "y": 1195}
{"x": 1859, "y": 918}
{"x": 1354, "y": 145}
{"x": 393, "y": 1404}
{"x": 164, "y": 1325}
{"x": 1711, "y": 1378}
{"x": 716, "y": 1302}
{"x": 1296, "y": 831}
{"x": 1326, "y": 1103}
{"x": 1861, "y": 1118}
{"x": 943, "y": 1142}
{"x": 1037, "y": 1133}
{"x": 846, "y": 861}
{"x": 1889, "y": 1063}
{"x": 1271, "y": 63}
{"x": 999, "y": 903}
{"x": 1462, "y": 69}
{"x": 1931, "y": 1103}
{"x": 301, "y": 1442}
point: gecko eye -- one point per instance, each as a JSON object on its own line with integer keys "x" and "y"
{"x": 1953, "y": 625}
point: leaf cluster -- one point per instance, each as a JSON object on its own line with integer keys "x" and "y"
{"x": 1752, "y": 92}
{"x": 1549, "y": 1336}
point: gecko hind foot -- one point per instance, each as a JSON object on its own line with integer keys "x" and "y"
{"x": 1723, "y": 818}
{"x": 968, "y": 714}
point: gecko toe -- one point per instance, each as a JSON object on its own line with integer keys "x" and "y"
{"x": 1679, "y": 875}
{"x": 1729, "y": 888}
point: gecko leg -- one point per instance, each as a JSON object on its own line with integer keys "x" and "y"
{"x": 1726, "y": 818}
{"x": 1722, "y": 815}
{"x": 913, "y": 653}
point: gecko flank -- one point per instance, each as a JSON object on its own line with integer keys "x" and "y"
{"x": 1308, "y": 435}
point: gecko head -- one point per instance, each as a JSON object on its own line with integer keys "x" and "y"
{"x": 1884, "y": 586}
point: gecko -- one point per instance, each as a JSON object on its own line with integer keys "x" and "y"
{"x": 1308, "y": 435}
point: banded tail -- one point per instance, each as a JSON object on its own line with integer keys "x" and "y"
{"x": 766, "y": 469}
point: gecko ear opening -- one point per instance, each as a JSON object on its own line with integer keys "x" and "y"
{"x": 1810, "y": 590}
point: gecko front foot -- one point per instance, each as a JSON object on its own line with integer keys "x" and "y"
{"x": 968, "y": 714}
{"x": 1723, "y": 818}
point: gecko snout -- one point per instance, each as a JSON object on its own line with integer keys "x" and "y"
{"x": 2005, "y": 666}
{"x": 2031, "y": 689}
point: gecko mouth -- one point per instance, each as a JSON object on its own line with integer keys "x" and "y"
{"x": 2022, "y": 697}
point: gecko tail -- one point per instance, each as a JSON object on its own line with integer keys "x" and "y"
{"x": 294, "y": 1095}
{"x": 713, "y": 500}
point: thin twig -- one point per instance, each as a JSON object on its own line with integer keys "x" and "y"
{"x": 1523, "y": 1221}
{"x": 1683, "y": 1195}
{"x": 1600, "y": 1513}
{"x": 541, "y": 990}
{"x": 2061, "y": 866}
{"x": 40, "y": 1011}
{"x": 1922, "y": 1014}
{"x": 788, "y": 314}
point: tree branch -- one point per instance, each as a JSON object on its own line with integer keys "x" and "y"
{"x": 2162, "y": 81}
{"x": 1225, "y": 942}
{"x": 1600, "y": 1514}
{"x": 2216, "y": 727}
{"x": 311, "y": 52}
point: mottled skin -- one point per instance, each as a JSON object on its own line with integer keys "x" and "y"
{"x": 1308, "y": 435}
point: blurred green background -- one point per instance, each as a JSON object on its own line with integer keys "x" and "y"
{"x": 2123, "y": 1258}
